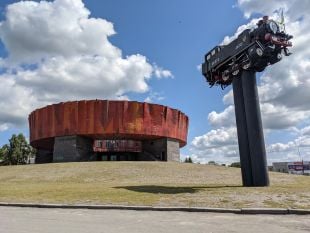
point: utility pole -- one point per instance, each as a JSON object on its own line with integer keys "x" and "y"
{"x": 302, "y": 161}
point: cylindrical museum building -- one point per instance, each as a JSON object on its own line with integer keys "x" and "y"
{"x": 103, "y": 130}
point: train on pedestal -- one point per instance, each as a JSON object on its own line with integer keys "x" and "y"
{"x": 252, "y": 50}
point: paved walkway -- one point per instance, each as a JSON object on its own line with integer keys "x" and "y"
{"x": 35, "y": 220}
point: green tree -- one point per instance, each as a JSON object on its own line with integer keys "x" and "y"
{"x": 3, "y": 152}
{"x": 235, "y": 164}
{"x": 17, "y": 151}
{"x": 188, "y": 160}
{"x": 212, "y": 163}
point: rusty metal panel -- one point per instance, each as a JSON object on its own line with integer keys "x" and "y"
{"x": 103, "y": 119}
{"x": 82, "y": 127}
{"x": 99, "y": 117}
{"x": 59, "y": 119}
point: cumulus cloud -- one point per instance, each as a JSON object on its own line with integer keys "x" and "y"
{"x": 58, "y": 52}
{"x": 219, "y": 145}
{"x": 198, "y": 67}
{"x": 222, "y": 119}
{"x": 159, "y": 72}
{"x": 3, "y": 127}
{"x": 216, "y": 138}
{"x": 250, "y": 25}
{"x": 38, "y": 30}
{"x": 297, "y": 149}
{"x": 293, "y": 8}
{"x": 154, "y": 97}
{"x": 284, "y": 99}
{"x": 306, "y": 131}
{"x": 282, "y": 117}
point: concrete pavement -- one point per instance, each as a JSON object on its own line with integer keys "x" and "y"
{"x": 36, "y": 220}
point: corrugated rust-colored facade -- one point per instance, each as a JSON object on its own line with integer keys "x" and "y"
{"x": 103, "y": 119}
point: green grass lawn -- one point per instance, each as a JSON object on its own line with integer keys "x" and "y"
{"x": 148, "y": 183}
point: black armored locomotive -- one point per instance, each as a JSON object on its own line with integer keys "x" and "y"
{"x": 252, "y": 50}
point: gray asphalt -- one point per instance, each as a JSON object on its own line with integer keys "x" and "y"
{"x": 35, "y": 220}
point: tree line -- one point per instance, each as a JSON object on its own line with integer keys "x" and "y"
{"x": 17, "y": 151}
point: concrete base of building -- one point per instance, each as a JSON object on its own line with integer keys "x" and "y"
{"x": 78, "y": 149}
{"x": 43, "y": 156}
{"x": 72, "y": 149}
{"x": 164, "y": 149}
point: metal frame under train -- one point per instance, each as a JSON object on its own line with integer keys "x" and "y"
{"x": 253, "y": 49}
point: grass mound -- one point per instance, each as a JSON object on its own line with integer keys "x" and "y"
{"x": 148, "y": 183}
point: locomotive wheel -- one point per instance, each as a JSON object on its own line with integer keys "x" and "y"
{"x": 235, "y": 69}
{"x": 276, "y": 58}
{"x": 235, "y": 72}
{"x": 246, "y": 66}
{"x": 259, "y": 52}
{"x": 225, "y": 75}
{"x": 255, "y": 54}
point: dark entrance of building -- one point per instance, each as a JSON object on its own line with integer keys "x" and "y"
{"x": 117, "y": 156}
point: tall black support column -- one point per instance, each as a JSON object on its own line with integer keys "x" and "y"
{"x": 255, "y": 129}
{"x": 242, "y": 131}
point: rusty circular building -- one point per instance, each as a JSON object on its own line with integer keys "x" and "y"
{"x": 96, "y": 130}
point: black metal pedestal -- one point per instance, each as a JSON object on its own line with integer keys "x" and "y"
{"x": 250, "y": 132}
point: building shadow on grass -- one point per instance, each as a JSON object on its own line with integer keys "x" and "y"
{"x": 172, "y": 189}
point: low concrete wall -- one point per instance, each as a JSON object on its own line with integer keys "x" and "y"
{"x": 78, "y": 148}
{"x": 43, "y": 156}
{"x": 173, "y": 150}
{"x": 165, "y": 149}
{"x": 72, "y": 149}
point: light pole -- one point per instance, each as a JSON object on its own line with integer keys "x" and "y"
{"x": 302, "y": 161}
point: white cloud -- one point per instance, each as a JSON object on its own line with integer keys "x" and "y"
{"x": 219, "y": 145}
{"x": 154, "y": 97}
{"x": 296, "y": 149}
{"x": 228, "y": 98}
{"x": 57, "y": 52}
{"x": 4, "y": 127}
{"x": 159, "y": 72}
{"x": 198, "y": 67}
{"x": 282, "y": 117}
{"x": 223, "y": 119}
{"x": 216, "y": 139}
{"x": 283, "y": 91}
{"x": 273, "y": 117}
{"x": 293, "y": 8}
{"x": 86, "y": 76}
{"x": 305, "y": 131}
{"x": 285, "y": 101}
{"x": 250, "y": 25}
{"x": 280, "y": 147}
{"x": 36, "y": 30}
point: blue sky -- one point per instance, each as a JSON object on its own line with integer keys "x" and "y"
{"x": 175, "y": 35}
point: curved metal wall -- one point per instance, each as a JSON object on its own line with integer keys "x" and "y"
{"x": 103, "y": 119}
